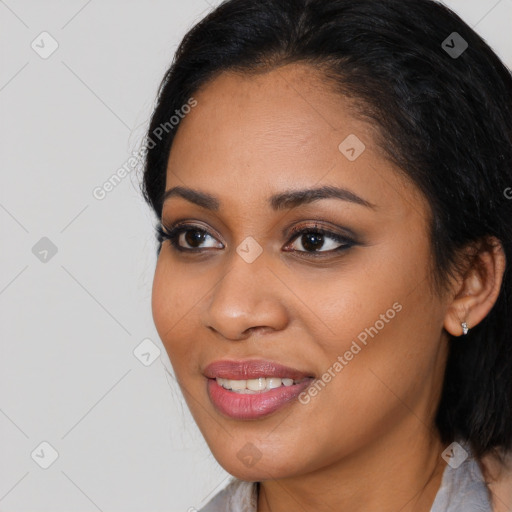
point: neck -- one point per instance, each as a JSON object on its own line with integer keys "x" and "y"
{"x": 395, "y": 472}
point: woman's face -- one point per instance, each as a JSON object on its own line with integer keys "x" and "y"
{"x": 352, "y": 308}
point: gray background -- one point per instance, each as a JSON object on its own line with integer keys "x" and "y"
{"x": 70, "y": 321}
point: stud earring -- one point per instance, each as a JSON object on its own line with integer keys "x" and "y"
{"x": 465, "y": 328}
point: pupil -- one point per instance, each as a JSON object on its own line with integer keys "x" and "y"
{"x": 312, "y": 241}
{"x": 198, "y": 237}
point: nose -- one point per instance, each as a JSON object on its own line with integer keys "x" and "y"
{"x": 248, "y": 298}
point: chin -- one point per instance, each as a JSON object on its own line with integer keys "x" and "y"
{"x": 250, "y": 464}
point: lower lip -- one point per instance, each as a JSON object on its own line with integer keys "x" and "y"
{"x": 252, "y": 406}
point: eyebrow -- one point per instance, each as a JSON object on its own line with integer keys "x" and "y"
{"x": 281, "y": 201}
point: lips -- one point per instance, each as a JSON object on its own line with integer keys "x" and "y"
{"x": 252, "y": 369}
{"x": 238, "y": 406}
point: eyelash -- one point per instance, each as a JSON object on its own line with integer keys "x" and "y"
{"x": 174, "y": 233}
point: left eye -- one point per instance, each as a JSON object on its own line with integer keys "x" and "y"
{"x": 314, "y": 241}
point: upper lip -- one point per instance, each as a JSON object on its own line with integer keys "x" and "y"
{"x": 251, "y": 369}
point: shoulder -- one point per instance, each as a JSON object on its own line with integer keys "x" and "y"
{"x": 463, "y": 488}
{"x": 499, "y": 479}
{"x": 237, "y": 496}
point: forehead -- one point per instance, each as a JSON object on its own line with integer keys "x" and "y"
{"x": 259, "y": 134}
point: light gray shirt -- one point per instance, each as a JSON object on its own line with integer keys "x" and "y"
{"x": 462, "y": 490}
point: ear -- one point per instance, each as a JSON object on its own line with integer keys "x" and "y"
{"x": 478, "y": 289}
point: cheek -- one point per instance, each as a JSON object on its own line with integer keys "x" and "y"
{"x": 380, "y": 318}
{"x": 172, "y": 304}
{"x": 359, "y": 301}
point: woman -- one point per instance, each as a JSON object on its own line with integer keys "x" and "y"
{"x": 333, "y": 282}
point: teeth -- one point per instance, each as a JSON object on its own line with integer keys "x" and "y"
{"x": 252, "y": 386}
{"x": 257, "y": 384}
{"x": 274, "y": 382}
{"x": 235, "y": 385}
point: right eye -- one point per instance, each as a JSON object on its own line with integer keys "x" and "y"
{"x": 186, "y": 238}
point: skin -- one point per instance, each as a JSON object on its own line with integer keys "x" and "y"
{"x": 367, "y": 441}
{"x": 499, "y": 479}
